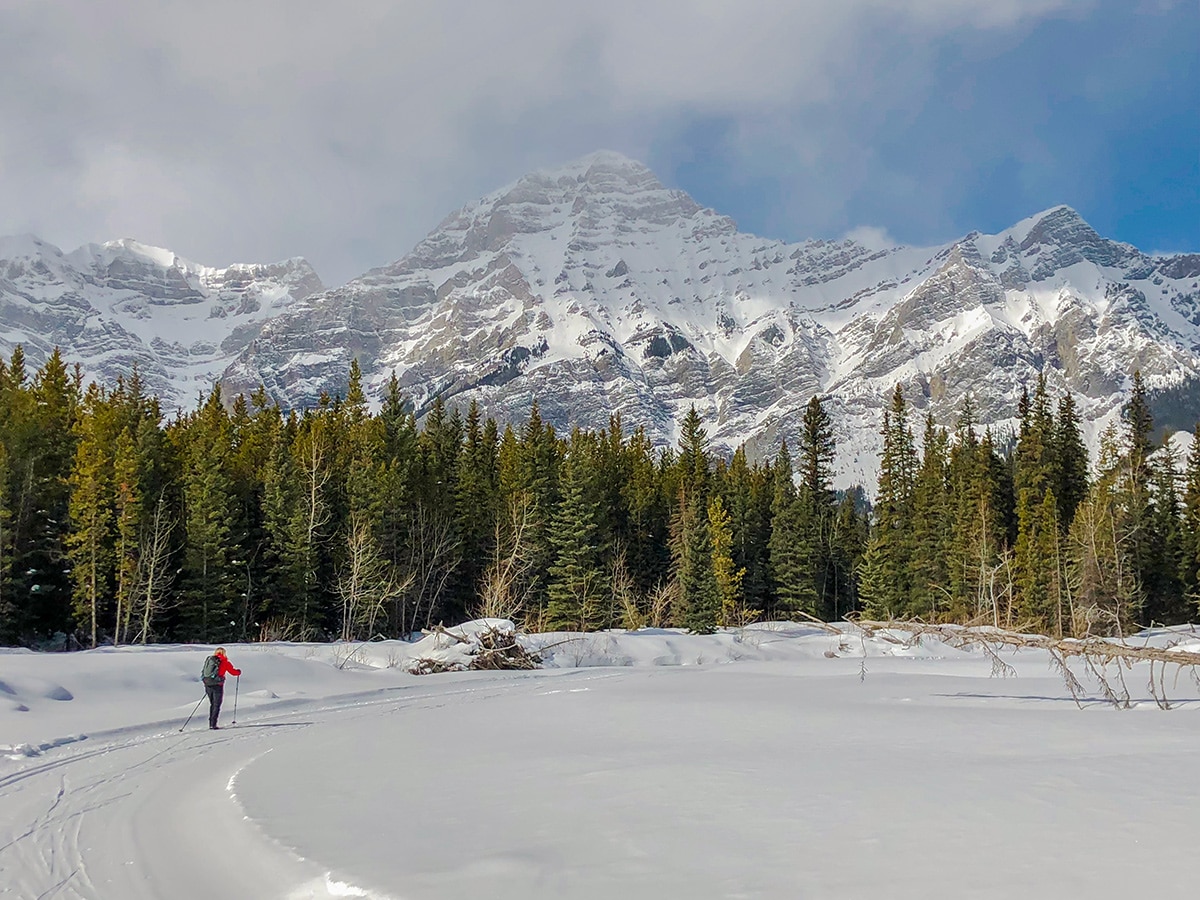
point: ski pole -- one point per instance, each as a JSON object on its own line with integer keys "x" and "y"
{"x": 237, "y": 684}
{"x": 189, "y": 718}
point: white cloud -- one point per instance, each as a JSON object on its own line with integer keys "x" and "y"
{"x": 345, "y": 131}
{"x": 872, "y": 237}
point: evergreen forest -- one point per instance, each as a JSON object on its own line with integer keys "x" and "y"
{"x": 237, "y": 521}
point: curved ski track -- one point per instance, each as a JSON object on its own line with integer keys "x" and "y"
{"x": 151, "y": 815}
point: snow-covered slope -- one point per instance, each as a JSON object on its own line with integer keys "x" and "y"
{"x": 595, "y": 289}
{"x": 107, "y": 306}
{"x": 776, "y": 761}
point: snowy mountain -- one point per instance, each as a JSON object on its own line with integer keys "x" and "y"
{"x": 595, "y": 289}
{"x": 108, "y": 306}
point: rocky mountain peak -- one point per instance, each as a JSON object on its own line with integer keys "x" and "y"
{"x": 602, "y": 195}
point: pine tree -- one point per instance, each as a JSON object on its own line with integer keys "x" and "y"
{"x": 576, "y": 579}
{"x": 850, "y": 535}
{"x": 692, "y": 549}
{"x": 129, "y": 515}
{"x": 1106, "y": 598}
{"x": 1037, "y": 558}
{"x": 476, "y": 499}
{"x": 887, "y": 583}
{"x": 791, "y": 563}
{"x": 1135, "y": 490}
{"x": 727, "y": 574}
{"x": 208, "y": 578}
{"x": 9, "y": 620}
{"x": 1189, "y": 566}
{"x": 41, "y": 443}
{"x": 694, "y": 461}
{"x": 744, "y": 494}
{"x": 817, "y": 504}
{"x": 817, "y": 450}
{"x": 536, "y": 484}
{"x": 290, "y": 554}
{"x": 699, "y": 602}
{"x": 642, "y": 495}
{"x": 89, "y": 541}
{"x": 1163, "y": 586}
{"x": 1035, "y": 467}
{"x": 1070, "y": 473}
{"x": 931, "y": 525}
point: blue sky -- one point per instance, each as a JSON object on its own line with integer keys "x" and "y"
{"x": 231, "y": 132}
{"x": 1098, "y": 111}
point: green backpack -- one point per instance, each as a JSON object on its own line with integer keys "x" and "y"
{"x": 210, "y": 674}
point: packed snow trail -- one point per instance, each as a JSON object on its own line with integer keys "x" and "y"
{"x": 155, "y": 815}
{"x": 147, "y": 818}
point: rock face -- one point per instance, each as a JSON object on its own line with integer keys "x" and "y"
{"x": 109, "y": 306}
{"x": 595, "y": 289}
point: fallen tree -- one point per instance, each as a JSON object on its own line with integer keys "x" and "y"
{"x": 1098, "y": 655}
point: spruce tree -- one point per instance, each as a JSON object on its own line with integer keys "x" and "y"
{"x": 699, "y": 601}
{"x": 1163, "y": 587}
{"x": 817, "y": 504}
{"x": 791, "y": 562}
{"x": 1135, "y": 491}
{"x": 647, "y": 515}
{"x": 694, "y": 461}
{"x": 537, "y": 487}
{"x": 887, "y": 584}
{"x": 1189, "y": 565}
{"x": 128, "y": 525}
{"x": 42, "y": 437}
{"x": 931, "y": 521}
{"x": 477, "y": 493}
{"x": 89, "y": 540}
{"x": 9, "y": 620}
{"x": 576, "y": 578}
{"x": 209, "y": 579}
{"x": 1070, "y": 473}
{"x": 1106, "y": 595}
{"x": 750, "y": 529}
{"x": 727, "y": 574}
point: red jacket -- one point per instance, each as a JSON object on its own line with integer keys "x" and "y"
{"x": 225, "y": 667}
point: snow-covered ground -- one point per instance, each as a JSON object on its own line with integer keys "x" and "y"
{"x": 775, "y": 762}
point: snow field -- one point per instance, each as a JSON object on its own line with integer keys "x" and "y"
{"x": 778, "y": 761}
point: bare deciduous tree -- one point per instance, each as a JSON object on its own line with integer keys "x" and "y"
{"x": 500, "y": 594}
{"x": 433, "y": 556}
{"x": 662, "y": 602}
{"x": 367, "y": 581}
{"x": 153, "y": 578}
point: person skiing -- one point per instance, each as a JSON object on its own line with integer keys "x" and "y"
{"x": 216, "y": 667}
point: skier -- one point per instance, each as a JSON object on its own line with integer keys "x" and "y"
{"x": 216, "y": 667}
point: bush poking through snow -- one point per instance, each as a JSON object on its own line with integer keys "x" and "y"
{"x": 482, "y": 644}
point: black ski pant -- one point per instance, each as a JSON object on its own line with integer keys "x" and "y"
{"x": 216, "y": 693}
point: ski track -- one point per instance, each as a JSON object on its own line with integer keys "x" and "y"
{"x": 155, "y": 815}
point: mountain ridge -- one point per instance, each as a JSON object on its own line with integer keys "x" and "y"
{"x": 594, "y": 288}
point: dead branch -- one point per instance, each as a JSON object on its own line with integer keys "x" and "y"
{"x": 1099, "y": 648}
{"x": 496, "y": 649}
{"x": 1096, "y": 653}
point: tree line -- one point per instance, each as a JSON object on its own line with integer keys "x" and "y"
{"x": 238, "y": 521}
